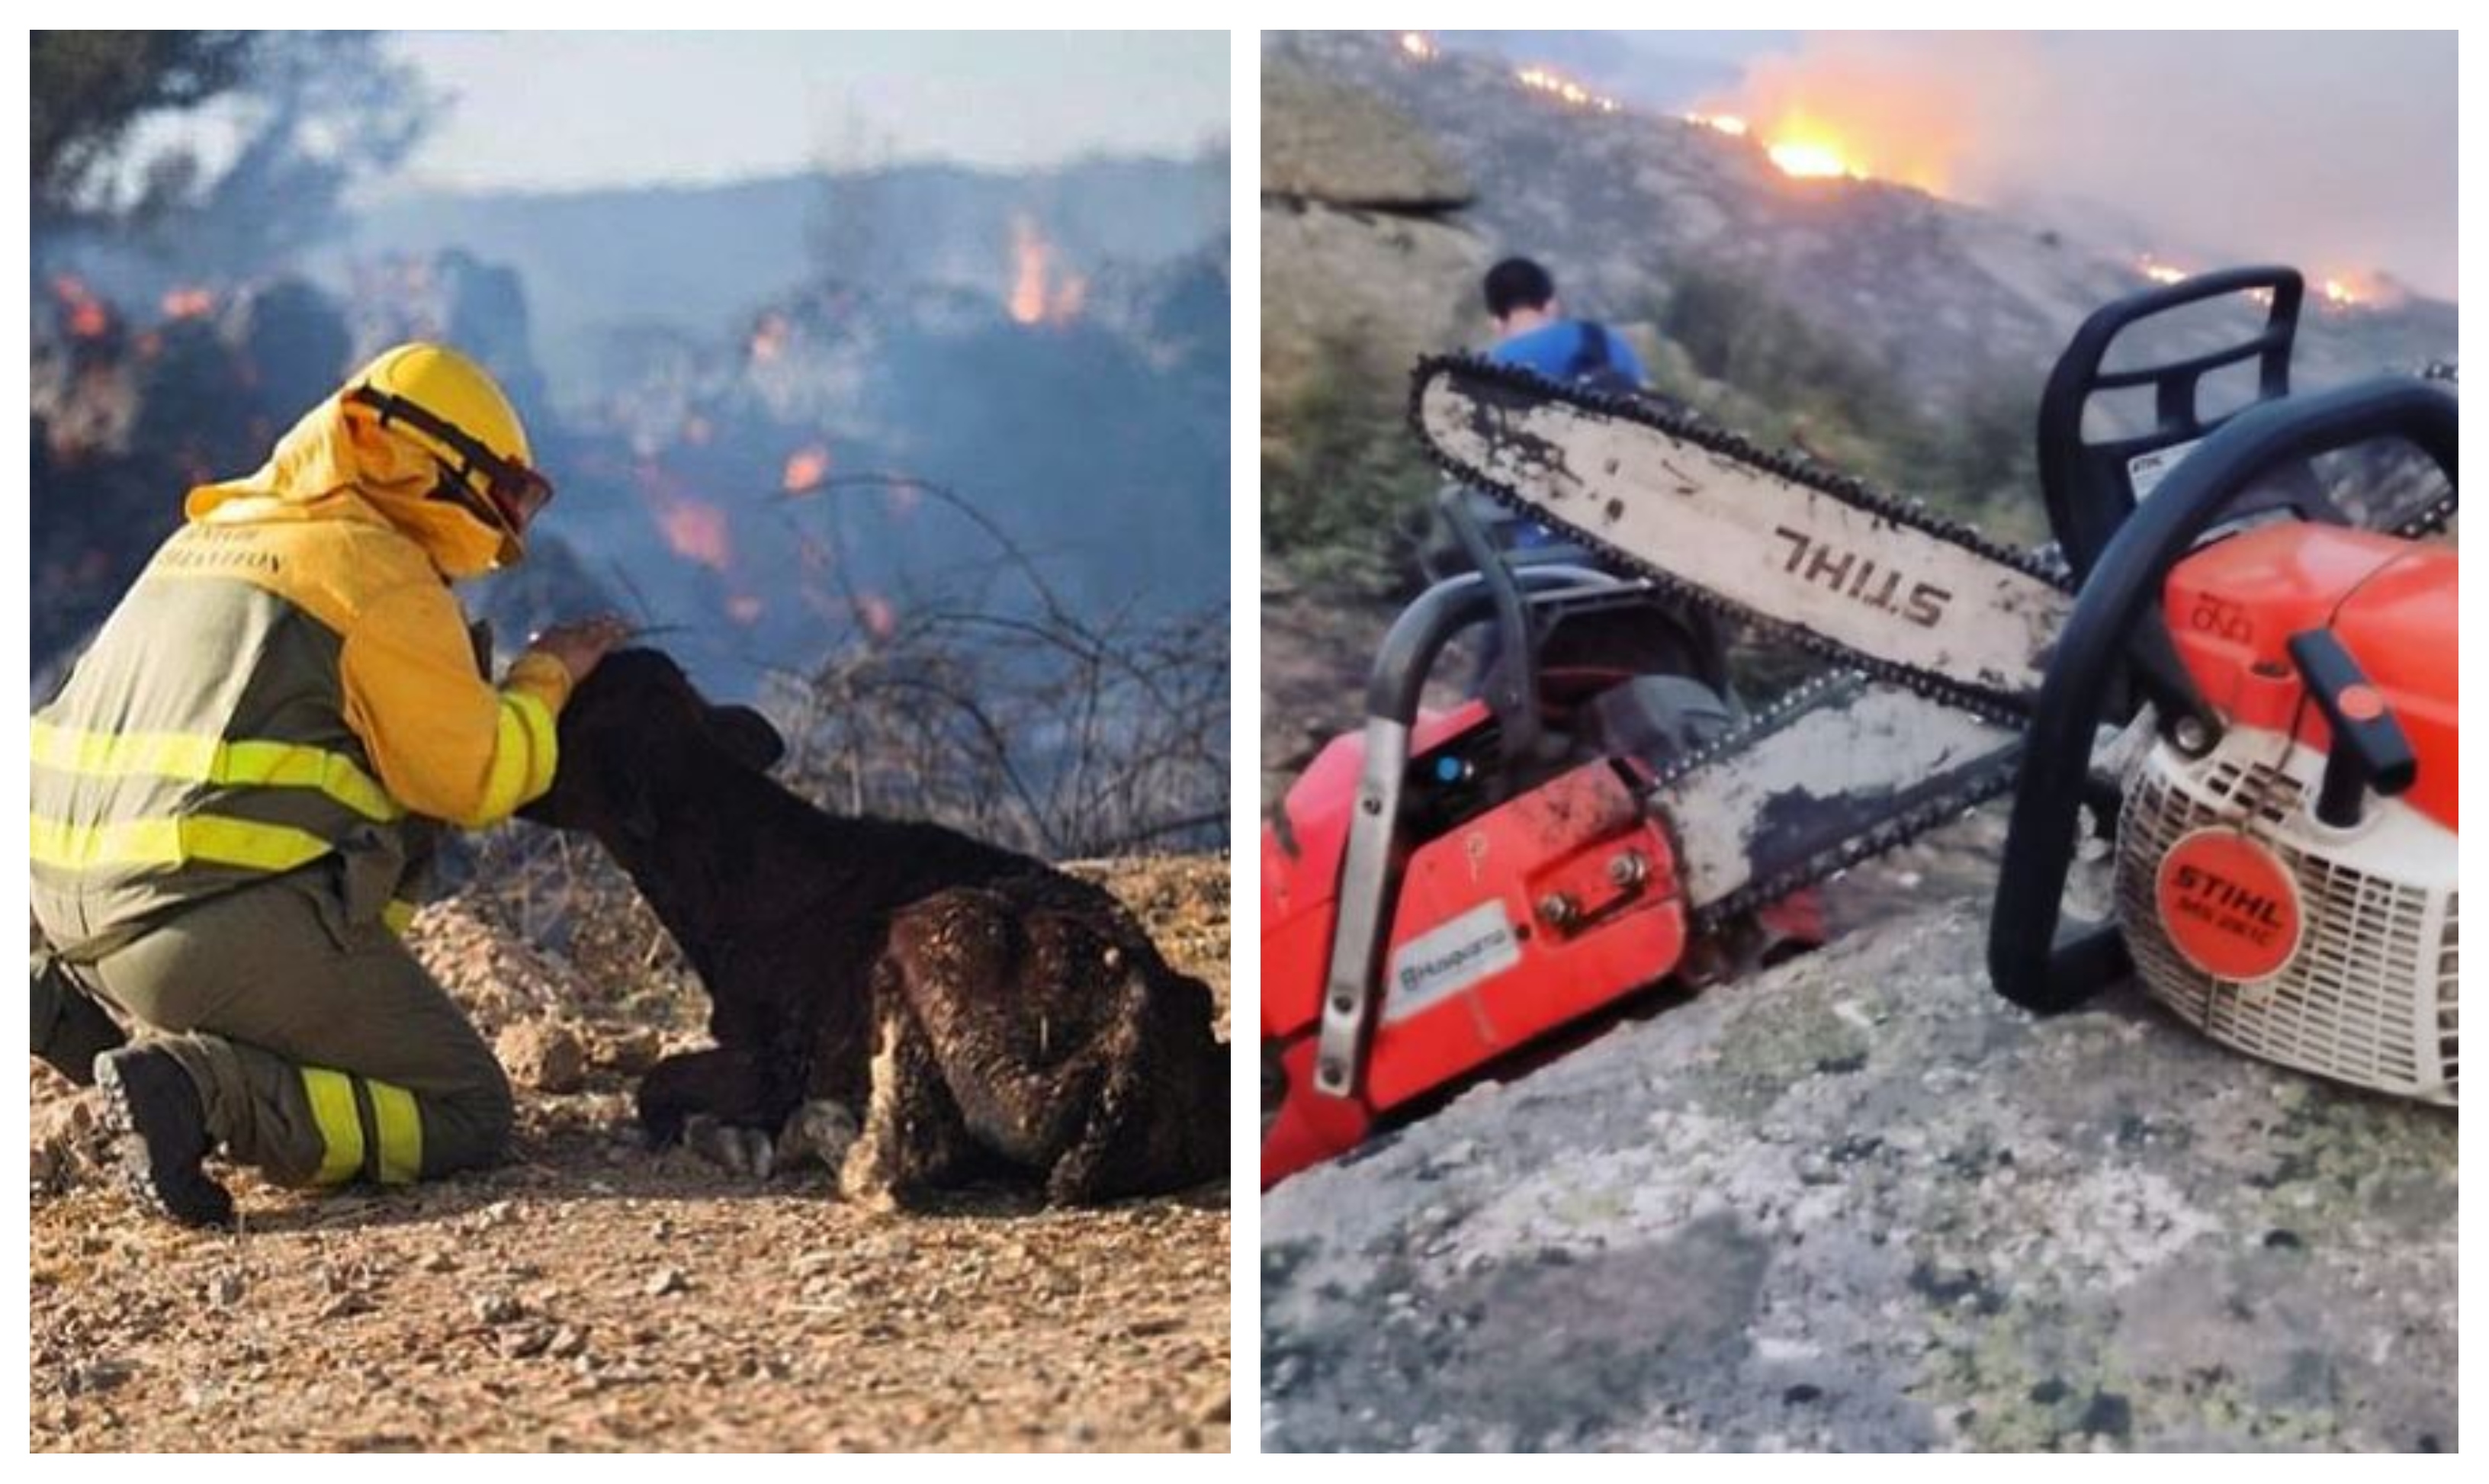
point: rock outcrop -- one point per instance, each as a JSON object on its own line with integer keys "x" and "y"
{"x": 1863, "y": 1203}
{"x": 1362, "y": 245}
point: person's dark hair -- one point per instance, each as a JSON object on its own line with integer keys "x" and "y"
{"x": 1518, "y": 283}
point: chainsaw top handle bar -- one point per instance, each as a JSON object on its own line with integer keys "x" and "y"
{"x": 2029, "y": 960}
{"x": 2089, "y": 487}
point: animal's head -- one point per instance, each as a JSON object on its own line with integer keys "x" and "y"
{"x": 635, "y": 731}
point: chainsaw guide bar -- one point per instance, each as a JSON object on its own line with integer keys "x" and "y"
{"x": 1945, "y": 633}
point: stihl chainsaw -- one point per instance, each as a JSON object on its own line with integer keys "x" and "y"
{"x": 1448, "y": 889}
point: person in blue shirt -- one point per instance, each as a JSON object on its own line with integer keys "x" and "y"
{"x": 1531, "y": 330}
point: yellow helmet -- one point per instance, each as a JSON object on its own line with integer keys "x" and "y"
{"x": 451, "y": 407}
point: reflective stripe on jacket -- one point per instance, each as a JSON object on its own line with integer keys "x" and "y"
{"x": 287, "y": 680}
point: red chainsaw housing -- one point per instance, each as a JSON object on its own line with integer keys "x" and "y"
{"x": 2233, "y": 607}
{"x": 1475, "y": 964}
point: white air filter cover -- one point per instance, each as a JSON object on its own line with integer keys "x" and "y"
{"x": 2369, "y": 996}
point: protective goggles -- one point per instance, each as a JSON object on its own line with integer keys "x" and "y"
{"x": 516, "y": 492}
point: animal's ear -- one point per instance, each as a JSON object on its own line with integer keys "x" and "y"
{"x": 747, "y": 736}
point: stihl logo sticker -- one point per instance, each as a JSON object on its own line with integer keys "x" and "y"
{"x": 1858, "y": 577}
{"x": 2229, "y": 906}
{"x": 1469, "y": 950}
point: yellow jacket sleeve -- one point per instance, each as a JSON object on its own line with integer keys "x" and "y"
{"x": 444, "y": 741}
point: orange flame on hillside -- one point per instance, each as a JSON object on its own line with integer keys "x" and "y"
{"x": 1867, "y": 108}
{"x": 1028, "y": 271}
{"x": 1808, "y": 157}
{"x": 1727, "y": 123}
{"x": 806, "y": 469}
{"x": 188, "y": 303}
{"x": 1041, "y": 291}
{"x": 2356, "y": 289}
{"x": 1417, "y": 45}
{"x": 697, "y": 533}
{"x": 86, "y": 315}
{"x": 769, "y": 337}
{"x": 875, "y": 612}
{"x": 1557, "y": 85}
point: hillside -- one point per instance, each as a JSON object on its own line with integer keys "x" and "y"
{"x": 695, "y": 258}
{"x": 1625, "y": 204}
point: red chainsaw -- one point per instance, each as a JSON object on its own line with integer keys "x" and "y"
{"x": 2246, "y": 596}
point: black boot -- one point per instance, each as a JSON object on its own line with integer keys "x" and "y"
{"x": 151, "y": 1106}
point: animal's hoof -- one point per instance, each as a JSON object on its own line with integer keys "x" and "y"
{"x": 821, "y": 1129}
{"x": 739, "y": 1151}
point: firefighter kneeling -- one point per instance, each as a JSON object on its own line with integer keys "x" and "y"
{"x": 237, "y": 790}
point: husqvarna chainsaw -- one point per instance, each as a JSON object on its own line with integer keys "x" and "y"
{"x": 1448, "y": 889}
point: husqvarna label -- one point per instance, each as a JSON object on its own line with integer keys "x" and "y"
{"x": 1469, "y": 950}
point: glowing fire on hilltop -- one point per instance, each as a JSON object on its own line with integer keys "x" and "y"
{"x": 1804, "y": 159}
{"x": 806, "y": 469}
{"x": 86, "y": 315}
{"x": 2340, "y": 293}
{"x": 2346, "y": 293}
{"x": 875, "y": 612}
{"x": 1417, "y": 45}
{"x": 769, "y": 337}
{"x": 1556, "y": 85}
{"x": 188, "y": 303}
{"x": 1038, "y": 295}
{"x": 696, "y": 530}
{"x": 1719, "y": 123}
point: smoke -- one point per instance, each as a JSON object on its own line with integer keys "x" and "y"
{"x": 2333, "y": 150}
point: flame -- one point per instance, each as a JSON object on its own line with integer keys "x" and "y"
{"x": 1727, "y": 123}
{"x": 1556, "y": 85}
{"x": 696, "y": 530}
{"x": 2158, "y": 272}
{"x": 806, "y": 469}
{"x": 1811, "y": 156}
{"x": 876, "y": 613}
{"x": 1416, "y": 44}
{"x": 769, "y": 337}
{"x": 87, "y": 316}
{"x": 1038, "y": 296}
{"x": 1869, "y": 106}
{"x": 1028, "y": 271}
{"x": 188, "y": 303}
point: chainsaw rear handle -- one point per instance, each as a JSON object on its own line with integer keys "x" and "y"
{"x": 2088, "y": 486}
{"x": 2034, "y": 959}
{"x": 1409, "y": 650}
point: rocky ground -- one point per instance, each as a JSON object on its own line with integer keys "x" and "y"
{"x": 1863, "y": 1203}
{"x": 589, "y": 1295}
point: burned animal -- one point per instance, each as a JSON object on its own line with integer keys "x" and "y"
{"x": 918, "y": 1009}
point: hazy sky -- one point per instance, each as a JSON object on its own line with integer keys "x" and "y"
{"x": 566, "y": 111}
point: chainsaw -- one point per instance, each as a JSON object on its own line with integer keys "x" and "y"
{"x": 1445, "y": 891}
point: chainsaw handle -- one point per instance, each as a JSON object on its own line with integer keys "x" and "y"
{"x": 1512, "y": 682}
{"x": 2088, "y": 486}
{"x": 1368, "y": 865}
{"x": 2035, "y": 958}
